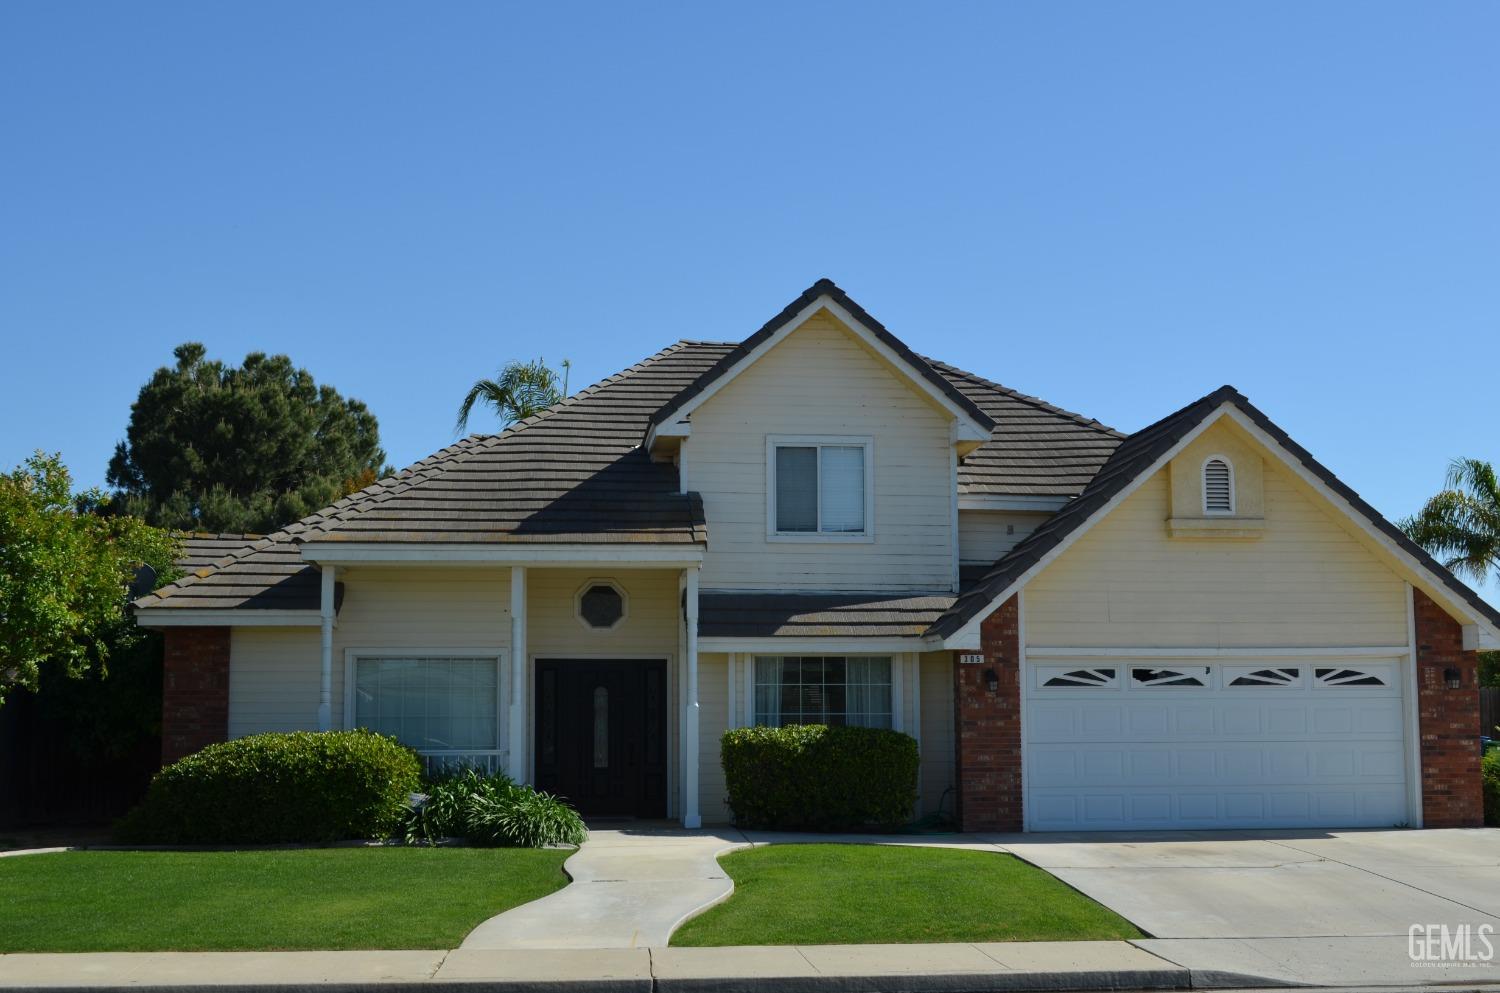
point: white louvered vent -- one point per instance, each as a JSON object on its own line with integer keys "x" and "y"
{"x": 1218, "y": 487}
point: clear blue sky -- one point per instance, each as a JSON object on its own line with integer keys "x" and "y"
{"x": 1117, "y": 207}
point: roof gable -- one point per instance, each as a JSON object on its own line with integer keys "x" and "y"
{"x": 974, "y": 424}
{"x": 1147, "y": 452}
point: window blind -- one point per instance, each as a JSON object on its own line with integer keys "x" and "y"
{"x": 796, "y": 488}
{"x": 842, "y": 481}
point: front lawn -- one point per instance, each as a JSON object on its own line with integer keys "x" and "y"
{"x": 861, "y": 894}
{"x": 281, "y": 899}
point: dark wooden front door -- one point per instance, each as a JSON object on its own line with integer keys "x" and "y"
{"x": 601, "y": 735}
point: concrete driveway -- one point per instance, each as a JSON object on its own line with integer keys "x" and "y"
{"x": 1309, "y": 906}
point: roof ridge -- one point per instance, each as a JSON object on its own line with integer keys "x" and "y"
{"x": 1051, "y": 408}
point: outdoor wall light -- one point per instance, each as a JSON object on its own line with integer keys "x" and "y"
{"x": 992, "y": 680}
{"x": 1453, "y": 678}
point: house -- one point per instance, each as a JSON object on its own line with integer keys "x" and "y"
{"x": 1192, "y": 626}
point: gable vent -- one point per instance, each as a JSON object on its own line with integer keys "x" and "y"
{"x": 1218, "y": 487}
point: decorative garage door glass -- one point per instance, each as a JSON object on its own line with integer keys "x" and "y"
{"x": 1155, "y": 743}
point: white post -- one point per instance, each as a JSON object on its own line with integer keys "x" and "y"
{"x": 517, "y": 740}
{"x": 690, "y": 817}
{"x": 325, "y": 620}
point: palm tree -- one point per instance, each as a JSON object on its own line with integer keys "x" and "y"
{"x": 1461, "y": 524}
{"x": 517, "y": 392}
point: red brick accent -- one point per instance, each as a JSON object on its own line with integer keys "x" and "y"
{"x": 1451, "y": 791}
{"x": 194, "y": 690}
{"x": 988, "y": 741}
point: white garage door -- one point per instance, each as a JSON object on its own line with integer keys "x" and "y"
{"x": 1143, "y": 744}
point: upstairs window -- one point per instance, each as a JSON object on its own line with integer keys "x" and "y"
{"x": 1218, "y": 487}
{"x": 819, "y": 488}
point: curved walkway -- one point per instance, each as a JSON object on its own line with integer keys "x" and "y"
{"x": 630, "y": 889}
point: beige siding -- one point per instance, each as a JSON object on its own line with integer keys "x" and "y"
{"x": 1305, "y": 582}
{"x": 713, "y": 717}
{"x": 985, "y": 535}
{"x": 821, "y": 381}
{"x": 274, "y": 672}
{"x": 273, "y": 680}
{"x": 937, "y": 733}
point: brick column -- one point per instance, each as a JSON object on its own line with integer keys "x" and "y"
{"x": 1451, "y": 791}
{"x": 988, "y": 728}
{"x": 194, "y": 690}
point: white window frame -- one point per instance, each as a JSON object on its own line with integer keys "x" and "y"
{"x": 1203, "y": 485}
{"x": 819, "y": 441}
{"x": 502, "y": 691}
{"x": 751, "y": 663}
{"x": 578, "y": 604}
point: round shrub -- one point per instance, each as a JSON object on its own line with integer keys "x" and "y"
{"x": 279, "y": 788}
{"x": 1491, "y": 776}
{"x": 817, "y": 778}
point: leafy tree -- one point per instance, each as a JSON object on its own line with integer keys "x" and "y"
{"x": 517, "y": 392}
{"x": 1461, "y": 525}
{"x": 217, "y": 448}
{"x": 64, "y": 574}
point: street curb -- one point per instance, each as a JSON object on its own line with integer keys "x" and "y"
{"x": 957, "y": 982}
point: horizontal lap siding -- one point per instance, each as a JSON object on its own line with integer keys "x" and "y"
{"x": 1305, "y": 582}
{"x": 273, "y": 680}
{"x": 983, "y": 535}
{"x": 820, "y": 381}
{"x": 274, "y": 672}
{"x": 937, "y": 733}
{"x": 713, "y": 720}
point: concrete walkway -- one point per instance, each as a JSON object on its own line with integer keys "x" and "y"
{"x": 631, "y": 888}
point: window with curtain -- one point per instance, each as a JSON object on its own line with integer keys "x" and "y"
{"x": 823, "y": 689}
{"x": 820, "y": 488}
{"x": 430, "y": 704}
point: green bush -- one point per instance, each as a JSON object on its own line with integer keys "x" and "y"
{"x": 279, "y": 788}
{"x": 492, "y": 810}
{"x": 1491, "y": 775}
{"x": 812, "y": 777}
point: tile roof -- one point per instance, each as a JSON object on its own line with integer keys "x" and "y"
{"x": 784, "y": 615}
{"x": 573, "y": 473}
{"x": 1035, "y": 448}
{"x": 1134, "y": 456}
{"x": 197, "y": 549}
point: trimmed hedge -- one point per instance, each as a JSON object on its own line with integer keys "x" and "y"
{"x": 1491, "y": 776}
{"x": 818, "y": 778}
{"x": 279, "y": 788}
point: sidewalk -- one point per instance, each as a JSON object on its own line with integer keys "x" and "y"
{"x": 945, "y": 968}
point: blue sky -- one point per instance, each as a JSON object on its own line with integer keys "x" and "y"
{"x": 1117, "y": 207}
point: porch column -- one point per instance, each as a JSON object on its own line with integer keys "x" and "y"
{"x": 690, "y": 817}
{"x": 518, "y": 656}
{"x": 325, "y": 621}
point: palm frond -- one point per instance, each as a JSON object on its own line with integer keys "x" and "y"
{"x": 518, "y": 391}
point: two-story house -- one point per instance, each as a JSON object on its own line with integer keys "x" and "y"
{"x": 1192, "y": 626}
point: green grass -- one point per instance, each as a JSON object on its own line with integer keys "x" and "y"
{"x": 859, "y": 894}
{"x": 260, "y": 900}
